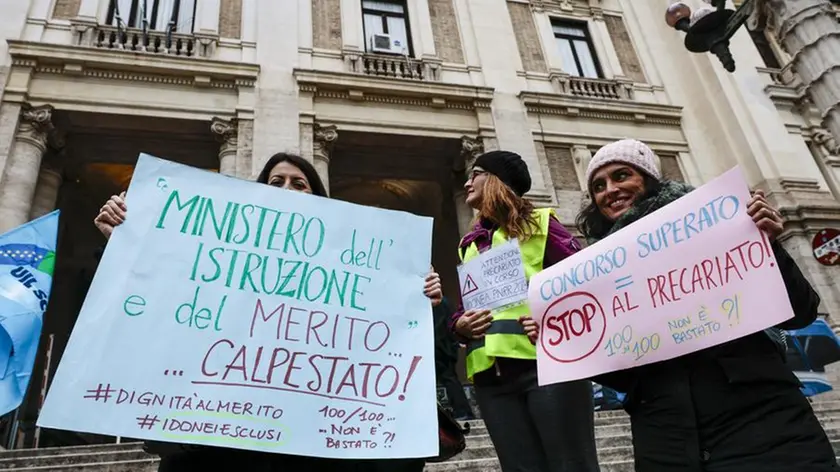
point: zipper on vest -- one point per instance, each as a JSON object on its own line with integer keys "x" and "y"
{"x": 498, "y": 371}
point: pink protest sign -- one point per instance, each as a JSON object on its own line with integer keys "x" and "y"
{"x": 691, "y": 275}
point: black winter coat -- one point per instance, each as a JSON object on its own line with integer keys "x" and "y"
{"x": 735, "y": 407}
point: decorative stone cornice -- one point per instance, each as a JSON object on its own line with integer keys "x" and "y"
{"x": 805, "y": 207}
{"x": 227, "y": 133}
{"x": 579, "y": 8}
{"x": 800, "y": 185}
{"x": 39, "y": 118}
{"x": 323, "y": 140}
{"x": 822, "y": 137}
{"x": 60, "y": 59}
{"x": 357, "y": 87}
{"x": 807, "y": 219}
{"x": 35, "y": 125}
{"x": 602, "y": 109}
{"x": 471, "y": 148}
{"x": 325, "y": 134}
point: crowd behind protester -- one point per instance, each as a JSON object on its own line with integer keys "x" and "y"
{"x": 732, "y": 407}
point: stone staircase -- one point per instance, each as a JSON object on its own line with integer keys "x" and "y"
{"x": 612, "y": 432}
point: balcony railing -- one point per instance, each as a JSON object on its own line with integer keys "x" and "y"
{"x": 150, "y": 41}
{"x": 593, "y": 88}
{"x": 393, "y": 66}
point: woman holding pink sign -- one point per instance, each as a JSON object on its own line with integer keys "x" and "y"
{"x": 731, "y": 407}
{"x": 533, "y": 428}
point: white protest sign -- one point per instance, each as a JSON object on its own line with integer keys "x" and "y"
{"x": 235, "y": 314}
{"x": 693, "y": 274}
{"x": 494, "y": 278}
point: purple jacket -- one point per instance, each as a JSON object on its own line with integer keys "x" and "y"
{"x": 559, "y": 245}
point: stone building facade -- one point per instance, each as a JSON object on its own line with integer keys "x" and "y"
{"x": 86, "y": 85}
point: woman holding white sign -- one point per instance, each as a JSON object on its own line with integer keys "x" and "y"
{"x": 534, "y": 429}
{"x": 731, "y": 407}
{"x": 290, "y": 172}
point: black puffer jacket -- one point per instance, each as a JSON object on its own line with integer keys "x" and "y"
{"x": 734, "y": 407}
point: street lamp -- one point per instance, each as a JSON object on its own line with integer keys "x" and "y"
{"x": 709, "y": 28}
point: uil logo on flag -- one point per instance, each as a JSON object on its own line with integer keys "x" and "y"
{"x": 27, "y": 261}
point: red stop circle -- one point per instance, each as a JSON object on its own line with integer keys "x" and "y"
{"x": 826, "y": 246}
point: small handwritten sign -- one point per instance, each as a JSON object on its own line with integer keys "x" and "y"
{"x": 234, "y": 314}
{"x": 494, "y": 278}
{"x": 691, "y": 275}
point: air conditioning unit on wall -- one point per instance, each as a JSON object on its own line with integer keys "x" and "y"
{"x": 387, "y": 44}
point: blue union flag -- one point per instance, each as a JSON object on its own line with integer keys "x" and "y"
{"x": 27, "y": 260}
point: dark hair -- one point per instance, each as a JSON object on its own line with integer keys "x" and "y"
{"x": 592, "y": 224}
{"x": 308, "y": 171}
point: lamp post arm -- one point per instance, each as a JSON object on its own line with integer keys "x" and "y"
{"x": 741, "y": 15}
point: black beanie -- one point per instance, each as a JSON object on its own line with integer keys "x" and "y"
{"x": 508, "y": 167}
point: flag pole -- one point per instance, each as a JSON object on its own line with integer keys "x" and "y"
{"x": 45, "y": 381}
{"x": 13, "y": 429}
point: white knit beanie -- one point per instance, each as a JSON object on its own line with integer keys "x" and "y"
{"x": 627, "y": 151}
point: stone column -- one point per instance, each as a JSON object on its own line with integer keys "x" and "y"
{"x": 810, "y": 33}
{"x": 418, "y": 11}
{"x": 826, "y": 151}
{"x": 581, "y": 155}
{"x": 471, "y": 148}
{"x": 352, "y": 32}
{"x": 85, "y": 23}
{"x": 20, "y": 176}
{"x": 89, "y": 10}
{"x": 46, "y": 191}
{"x": 206, "y": 29}
{"x": 207, "y": 17}
{"x": 323, "y": 140}
{"x": 227, "y": 133}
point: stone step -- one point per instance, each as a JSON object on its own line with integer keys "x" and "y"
{"x": 55, "y": 451}
{"x": 610, "y": 449}
{"x": 620, "y": 439}
{"x": 488, "y": 464}
{"x": 492, "y": 465}
{"x": 602, "y": 428}
{"x": 56, "y": 460}
{"x": 137, "y": 465}
{"x": 612, "y": 432}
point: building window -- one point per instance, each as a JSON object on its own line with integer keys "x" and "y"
{"x": 670, "y": 167}
{"x": 765, "y": 49}
{"x": 387, "y": 17}
{"x": 160, "y": 15}
{"x": 576, "y": 49}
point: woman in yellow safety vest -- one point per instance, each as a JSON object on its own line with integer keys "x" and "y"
{"x": 533, "y": 428}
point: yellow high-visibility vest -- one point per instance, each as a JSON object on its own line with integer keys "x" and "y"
{"x": 506, "y": 337}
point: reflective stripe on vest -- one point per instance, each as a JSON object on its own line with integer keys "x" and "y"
{"x": 505, "y": 337}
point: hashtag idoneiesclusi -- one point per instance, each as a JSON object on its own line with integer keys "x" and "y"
{"x": 147, "y": 422}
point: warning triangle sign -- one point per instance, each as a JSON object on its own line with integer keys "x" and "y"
{"x": 469, "y": 286}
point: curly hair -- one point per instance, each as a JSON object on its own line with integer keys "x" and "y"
{"x": 502, "y": 206}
